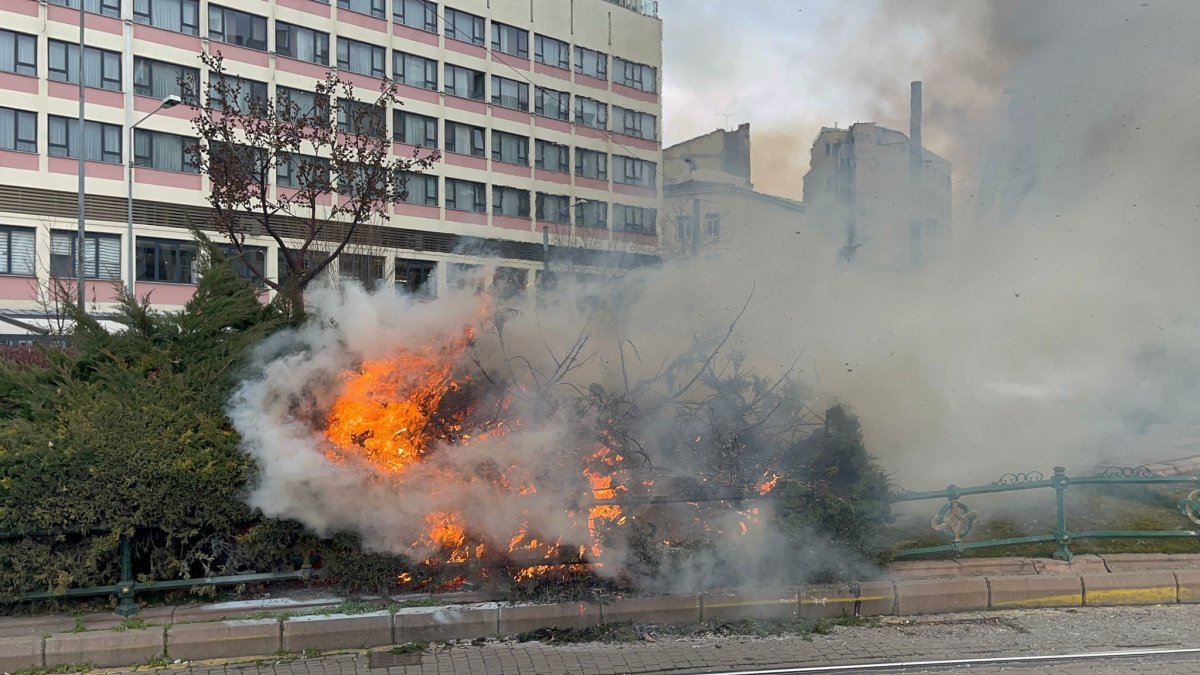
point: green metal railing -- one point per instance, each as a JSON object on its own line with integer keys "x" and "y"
{"x": 955, "y": 519}
{"x": 127, "y": 587}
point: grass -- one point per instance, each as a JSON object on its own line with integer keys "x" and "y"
{"x": 1112, "y": 507}
{"x": 409, "y": 648}
{"x": 131, "y": 624}
{"x": 66, "y": 668}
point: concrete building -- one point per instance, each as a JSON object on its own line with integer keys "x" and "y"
{"x": 708, "y": 182}
{"x": 558, "y": 102}
{"x": 862, "y": 189}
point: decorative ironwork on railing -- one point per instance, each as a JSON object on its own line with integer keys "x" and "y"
{"x": 955, "y": 520}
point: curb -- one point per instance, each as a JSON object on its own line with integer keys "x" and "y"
{"x": 1087, "y": 585}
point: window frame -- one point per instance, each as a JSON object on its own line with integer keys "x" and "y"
{"x": 478, "y": 78}
{"x": 400, "y": 128}
{"x": 378, "y": 8}
{"x": 186, "y": 163}
{"x": 601, "y": 71}
{"x": 601, "y": 113}
{"x": 109, "y": 8}
{"x": 499, "y": 30}
{"x": 540, "y": 208}
{"x": 622, "y": 68}
{"x": 581, "y": 208}
{"x": 20, "y": 144}
{"x": 478, "y": 35}
{"x": 107, "y": 154}
{"x": 179, "y": 246}
{"x": 187, "y": 73}
{"x": 91, "y": 255}
{"x": 539, "y": 105}
{"x": 346, "y": 118}
{"x": 378, "y": 57}
{"x": 255, "y": 22}
{"x": 284, "y": 165}
{"x": 523, "y": 201}
{"x": 6, "y": 263}
{"x": 108, "y": 60}
{"x": 479, "y": 198}
{"x": 498, "y": 138}
{"x": 499, "y": 83}
{"x": 146, "y": 18}
{"x": 400, "y": 70}
{"x": 426, "y": 287}
{"x": 432, "y": 197}
{"x": 429, "y": 9}
{"x": 601, "y": 168}
{"x": 477, "y": 134}
{"x": 285, "y": 28}
{"x": 563, "y": 166}
{"x": 19, "y": 67}
{"x": 256, "y": 93}
{"x": 539, "y": 51}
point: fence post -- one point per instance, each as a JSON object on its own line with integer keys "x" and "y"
{"x": 1060, "y": 530}
{"x": 126, "y": 606}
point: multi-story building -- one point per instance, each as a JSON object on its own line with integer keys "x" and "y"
{"x": 709, "y": 195}
{"x": 547, "y": 113}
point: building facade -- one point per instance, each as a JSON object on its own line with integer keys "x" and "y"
{"x": 547, "y": 114}
{"x": 709, "y": 196}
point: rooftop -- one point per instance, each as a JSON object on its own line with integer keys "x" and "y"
{"x": 643, "y": 7}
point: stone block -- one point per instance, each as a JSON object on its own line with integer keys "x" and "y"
{"x": 1136, "y": 562}
{"x": 221, "y": 639}
{"x": 871, "y": 598}
{"x": 1130, "y": 588}
{"x": 428, "y": 624}
{"x": 1188, "y": 583}
{"x": 515, "y": 619}
{"x": 337, "y": 631}
{"x": 20, "y": 653}
{"x": 19, "y": 626}
{"x": 923, "y": 569}
{"x": 105, "y": 648}
{"x": 680, "y": 609}
{"x": 1035, "y": 590}
{"x": 994, "y": 566}
{"x": 241, "y": 609}
{"x": 782, "y": 603}
{"x": 931, "y": 596}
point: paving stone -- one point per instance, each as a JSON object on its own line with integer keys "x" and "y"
{"x": 337, "y": 631}
{"x": 104, "y": 648}
{"x": 220, "y": 639}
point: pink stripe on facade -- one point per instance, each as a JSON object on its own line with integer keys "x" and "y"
{"x": 593, "y": 232}
{"x": 23, "y": 83}
{"x": 166, "y": 294}
{"x": 552, "y": 176}
{"x": 175, "y": 179}
{"x": 240, "y": 54}
{"x": 635, "y": 142}
{"x": 469, "y": 161}
{"x": 99, "y": 22}
{"x": 466, "y": 217}
{"x": 552, "y": 71}
{"x": 190, "y": 43}
{"x": 645, "y": 239}
{"x": 146, "y": 104}
{"x": 402, "y": 150}
{"x": 634, "y": 191}
{"x": 362, "y": 20}
{"x": 418, "y": 211}
{"x": 404, "y": 91}
{"x": 594, "y": 183}
{"x": 361, "y": 81}
{"x": 91, "y": 169}
{"x": 508, "y": 60}
{"x": 323, "y": 199}
{"x": 630, "y": 92}
{"x": 470, "y": 105}
{"x": 26, "y": 7}
{"x": 104, "y": 97}
{"x": 511, "y": 223}
{"x": 18, "y": 288}
{"x": 402, "y": 31}
{"x": 511, "y": 169}
{"x": 27, "y": 161}
{"x": 465, "y": 48}
{"x": 552, "y": 124}
{"x": 510, "y": 114}
{"x": 590, "y": 132}
{"x": 562, "y": 229}
{"x": 589, "y": 81}
{"x": 310, "y": 6}
{"x": 290, "y": 65}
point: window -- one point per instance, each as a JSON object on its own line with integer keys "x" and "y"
{"x": 419, "y": 14}
{"x": 591, "y": 214}
{"x": 101, "y": 255}
{"x": 633, "y": 171}
{"x": 18, "y": 53}
{"x": 464, "y": 27}
{"x": 636, "y": 75}
{"x": 511, "y": 202}
{"x": 246, "y": 262}
{"x": 299, "y": 104}
{"x": 683, "y": 228}
{"x": 636, "y": 124}
{"x": 553, "y": 157}
{"x": 510, "y": 148}
{"x": 712, "y": 225}
{"x": 302, "y": 43}
{"x": 591, "y": 164}
{"x": 465, "y": 139}
{"x": 510, "y": 40}
{"x": 160, "y": 79}
{"x": 415, "y": 71}
{"x": 236, "y": 94}
{"x": 101, "y": 142}
{"x": 365, "y": 119}
{"x": 304, "y": 261}
{"x": 591, "y": 62}
{"x": 591, "y": 113}
{"x": 552, "y": 52}
{"x": 634, "y": 219}
{"x": 18, "y": 130}
{"x": 464, "y": 82}
{"x": 238, "y": 164}
{"x": 163, "y": 151}
{"x": 509, "y": 282}
{"x": 17, "y": 250}
{"x": 165, "y": 260}
{"x": 360, "y": 57}
{"x": 466, "y": 195}
{"x": 373, "y": 8}
{"x": 101, "y": 68}
{"x": 362, "y": 180}
{"x": 417, "y": 188}
{"x": 554, "y": 208}
{"x": 106, "y": 7}
{"x": 368, "y": 270}
{"x": 416, "y": 277}
{"x": 237, "y": 28}
{"x": 508, "y": 93}
{"x": 413, "y": 129}
{"x": 181, "y": 16}
{"x": 302, "y": 171}
{"x": 554, "y": 104}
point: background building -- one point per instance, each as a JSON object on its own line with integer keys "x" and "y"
{"x": 547, "y": 113}
{"x": 708, "y": 182}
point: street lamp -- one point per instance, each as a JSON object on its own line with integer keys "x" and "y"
{"x": 168, "y": 102}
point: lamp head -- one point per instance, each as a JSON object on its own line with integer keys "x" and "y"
{"x": 171, "y": 101}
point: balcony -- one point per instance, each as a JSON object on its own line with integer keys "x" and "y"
{"x": 643, "y": 7}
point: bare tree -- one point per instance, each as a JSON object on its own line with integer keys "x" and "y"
{"x": 331, "y": 142}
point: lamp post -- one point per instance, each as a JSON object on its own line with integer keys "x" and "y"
{"x": 168, "y": 102}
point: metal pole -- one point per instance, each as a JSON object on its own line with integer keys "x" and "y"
{"x": 695, "y": 227}
{"x": 79, "y": 147}
{"x": 129, "y": 215}
{"x": 126, "y": 587}
{"x": 1063, "y": 552}
{"x": 546, "y": 249}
